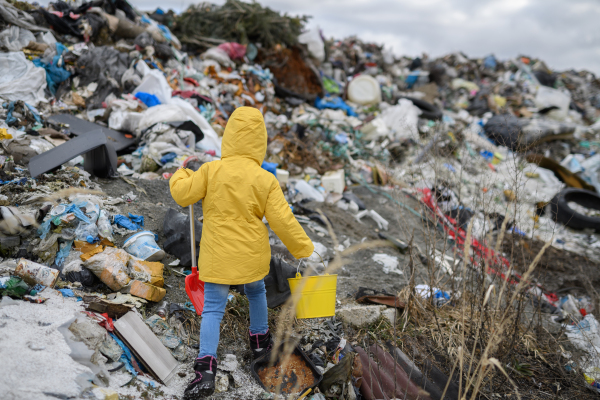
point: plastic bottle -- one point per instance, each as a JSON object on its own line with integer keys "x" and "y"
{"x": 104, "y": 226}
{"x": 84, "y": 230}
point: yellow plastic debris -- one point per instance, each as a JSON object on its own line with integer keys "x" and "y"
{"x": 4, "y": 134}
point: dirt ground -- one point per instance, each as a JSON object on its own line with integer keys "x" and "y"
{"x": 559, "y": 271}
{"x": 360, "y": 271}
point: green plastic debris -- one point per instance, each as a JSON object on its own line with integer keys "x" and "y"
{"x": 15, "y": 287}
{"x": 330, "y": 85}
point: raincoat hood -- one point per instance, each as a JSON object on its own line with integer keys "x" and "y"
{"x": 245, "y": 135}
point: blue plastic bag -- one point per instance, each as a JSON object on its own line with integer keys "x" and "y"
{"x": 335, "y": 103}
{"x": 55, "y": 75}
{"x": 148, "y": 99}
{"x": 63, "y": 253}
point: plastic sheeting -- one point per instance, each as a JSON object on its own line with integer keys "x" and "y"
{"x": 15, "y": 38}
{"x": 20, "y": 79}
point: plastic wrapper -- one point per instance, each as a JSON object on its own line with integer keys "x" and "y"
{"x": 110, "y": 266}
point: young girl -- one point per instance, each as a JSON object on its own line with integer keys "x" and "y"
{"x": 236, "y": 193}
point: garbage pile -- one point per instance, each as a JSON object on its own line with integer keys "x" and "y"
{"x": 106, "y": 90}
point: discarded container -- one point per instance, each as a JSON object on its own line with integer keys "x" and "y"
{"x": 318, "y": 295}
{"x": 300, "y": 376}
{"x": 334, "y": 181}
{"x": 34, "y": 273}
{"x": 142, "y": 245}
{"x": 364, "y": 89}
{"x": 161, "y": 310}
{"x": 308, "y": 192}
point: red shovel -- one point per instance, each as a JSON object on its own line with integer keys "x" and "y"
{"x": 193, "y": 285}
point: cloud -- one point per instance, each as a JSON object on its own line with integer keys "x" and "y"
{"x": 562, "y": 33}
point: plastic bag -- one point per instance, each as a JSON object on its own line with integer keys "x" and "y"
{"x": 176, "y": 228}
{"x": 110, "y": 267}
{"x": 20, "y": 79}
{"x": 154, "y": 82}
{"x": 15, "y": 38}
{"x": 549, "y": 97}
{"x": 402, "y": 119}
{"x": 63, "y": 253}
{"x": 312, "y": 39}
{"x": 15, "y": 287}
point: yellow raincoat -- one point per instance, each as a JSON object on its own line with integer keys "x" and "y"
{"x": 236, "y": 193}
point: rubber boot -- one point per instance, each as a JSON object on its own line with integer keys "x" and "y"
{"x": 260, "y": 343}
{"x": 203, "y": 384}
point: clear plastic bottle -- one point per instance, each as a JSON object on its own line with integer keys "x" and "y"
{"x": 104, "y": 227}
{"x": 84, "y": 230}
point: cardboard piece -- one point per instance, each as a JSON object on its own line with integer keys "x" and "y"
{"x": 147, "y": 291}
{"x": 152, "y": 268}
{"x": 132, "y": 330}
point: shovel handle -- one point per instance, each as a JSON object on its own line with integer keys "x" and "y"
{"x": 193, "y": 236}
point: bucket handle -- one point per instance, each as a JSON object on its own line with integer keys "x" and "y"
{"x": 298, "y": 268}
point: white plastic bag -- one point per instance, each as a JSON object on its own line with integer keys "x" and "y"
{"x": 15, "y": 38}
{"x": 180, "y": 110}
{"x": 402, "y": 119}
{"x": 312, "y": 40}
{"x": 218, "y": 55}
{"x": 20, "y": 79}
{"x": 154, "y": 82}
{"x": 548, "y": 97}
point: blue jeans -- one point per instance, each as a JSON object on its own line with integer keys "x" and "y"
{"x": 215, "y": 299}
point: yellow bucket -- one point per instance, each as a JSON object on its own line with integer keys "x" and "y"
{"x": 318, "y": 295}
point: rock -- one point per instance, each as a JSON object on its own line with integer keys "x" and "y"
{"x": 221, "y": 382}
{"x": 360, "y": 315}
{"x": 229, "y": 364}
{"x": 391, "y": 315}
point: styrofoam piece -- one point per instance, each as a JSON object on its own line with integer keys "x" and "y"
{"x": 334, "y": 181}
{"x": 282, "y": 175}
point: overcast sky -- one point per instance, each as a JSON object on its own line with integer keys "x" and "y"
{"x": 564, "y": 33}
